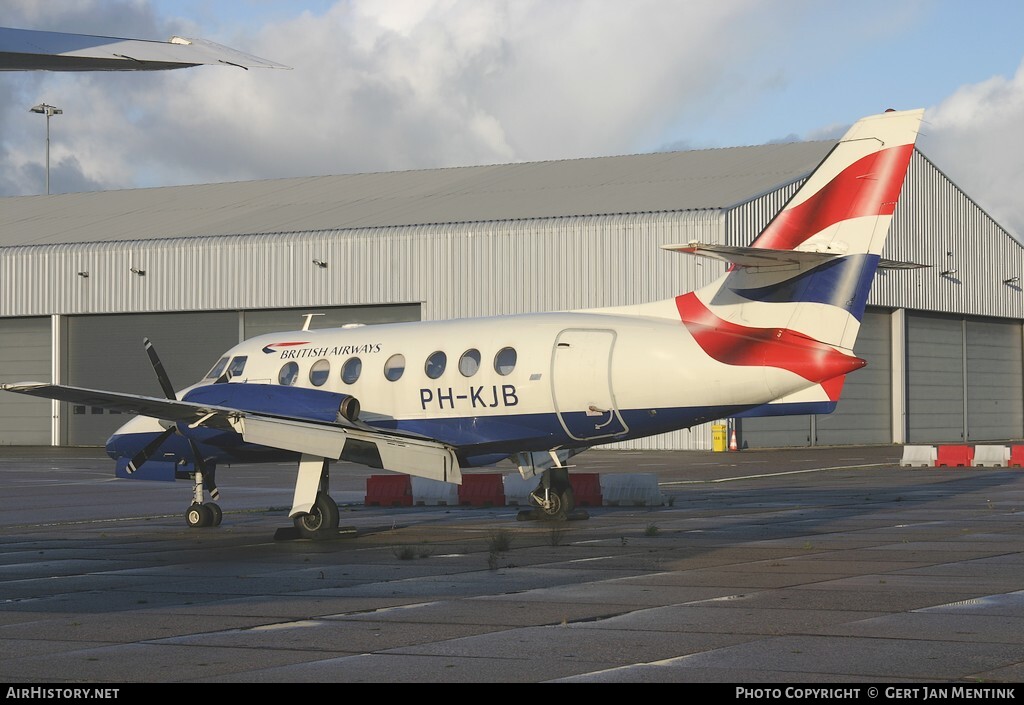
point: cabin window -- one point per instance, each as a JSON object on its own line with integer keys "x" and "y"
{"x": 319, "y": 373}
{"x": 351, "y": 370}
{"x": 237, "y": 366}
{"x": 289, "y": 373}
{"x": 436, "y": 364}
{"x": 505, "y": 361}
{"x": 218, "y": 369}
{"x": 394, "y": 368}
{"x": 469, "y": 363}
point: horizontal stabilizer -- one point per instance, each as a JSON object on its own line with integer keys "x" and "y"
{"x": 762, "y": 257}
{"x": 894, "y": 264}
{"x": 753, "y": 256}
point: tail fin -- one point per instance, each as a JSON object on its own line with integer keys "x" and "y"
{"x": 807, "y": 276}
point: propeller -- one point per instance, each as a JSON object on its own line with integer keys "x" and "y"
{"x": 143, "y": 455}
{"x": 146, "y": 453}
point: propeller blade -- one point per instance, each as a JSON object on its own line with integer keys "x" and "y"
{"x": 161, "y": 375}
{"x": 209, "y": 484}
{"x": 143, "y": 455}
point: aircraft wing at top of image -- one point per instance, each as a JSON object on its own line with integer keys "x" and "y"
{"x": 33, "y": 50}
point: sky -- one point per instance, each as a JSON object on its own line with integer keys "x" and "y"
{"x": 386, "y": 85}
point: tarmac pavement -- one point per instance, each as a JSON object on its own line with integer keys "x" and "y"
{"x": 806, "y": 566}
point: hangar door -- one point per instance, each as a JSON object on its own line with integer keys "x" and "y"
{"x": 106, "y": 352}
{"x": 24, "y": 357}
{"x": 935, "y": 378}
{"x": 864, "y": 412}
{"x": 964, "y": 379}
{"x": 995, "y": 382}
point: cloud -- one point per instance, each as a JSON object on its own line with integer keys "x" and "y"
{"x": 383, "y": 86}
{"x": 975, "y": 137}
{"x": 415, "y": 84}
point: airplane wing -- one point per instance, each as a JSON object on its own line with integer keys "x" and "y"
{"x": 340, "y": 440}
{"x": 28, "y": 50}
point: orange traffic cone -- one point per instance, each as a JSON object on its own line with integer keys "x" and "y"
{"x": 732, "y": 441}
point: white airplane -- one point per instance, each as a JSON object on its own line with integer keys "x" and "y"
{"x": 36, "y": 50}
{"x": 773, "y": 335}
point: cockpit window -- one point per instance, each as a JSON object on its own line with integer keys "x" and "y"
{"x": 218, "y": 369}
{"x": 237, "y": 366}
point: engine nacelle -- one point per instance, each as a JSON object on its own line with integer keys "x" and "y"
{"x": 277, "y": 400}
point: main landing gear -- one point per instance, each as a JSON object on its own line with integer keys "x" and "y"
{"x": 322, "y": 519}
{"x": 314, "y": 513}
{"x": 554, "y": 496}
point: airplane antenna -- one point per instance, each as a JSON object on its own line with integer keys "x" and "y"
{"x": 309, "y": 319}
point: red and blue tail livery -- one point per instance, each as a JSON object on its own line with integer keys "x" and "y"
{"x": 774, "y": 334}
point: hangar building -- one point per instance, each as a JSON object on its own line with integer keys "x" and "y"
{"x": 86, "y": 276}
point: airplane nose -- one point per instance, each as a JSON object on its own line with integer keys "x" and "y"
{"x": 132, "y": 437}
{"x": 111, "y": 447}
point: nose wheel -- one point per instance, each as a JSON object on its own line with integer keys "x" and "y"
{"x": 201, "y": 514}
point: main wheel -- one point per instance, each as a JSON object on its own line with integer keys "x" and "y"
{"x": 199, "y": 515}
{"x": 216, "y": 513}
{"x": 568, "y": 500}
{"x": 560, "y": 503}
{"x": 322, "y": 519}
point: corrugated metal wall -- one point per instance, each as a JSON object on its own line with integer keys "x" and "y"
{"x": 472, "y": 269}
{"x": 464, "y": 270}
{"x": 937, "y": 224}
{"x": 488, "y": 268}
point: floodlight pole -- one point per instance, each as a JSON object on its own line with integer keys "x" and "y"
{"x": 48, "y": 111}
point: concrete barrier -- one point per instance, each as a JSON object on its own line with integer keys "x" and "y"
{"x": 954, "y": 456}
{"x": 586, "y": 489}
{"x": 610, "y": 490}
{"x": 918, "y": 456}
{"x": 517, "y": 490}
{"x": 388, "y": 491}
{"x": 482, "y": 490}
{"x": 991, "y": 456}
{"x": 426, "y": 492}
{"x": 637, "y": 490}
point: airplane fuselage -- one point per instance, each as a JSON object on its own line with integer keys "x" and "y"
{"x": 491, "y": 387}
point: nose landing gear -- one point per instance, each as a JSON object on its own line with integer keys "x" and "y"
{"x": 202, "y": 514}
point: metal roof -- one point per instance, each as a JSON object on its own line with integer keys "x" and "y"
{"x": 643, "y": 183}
